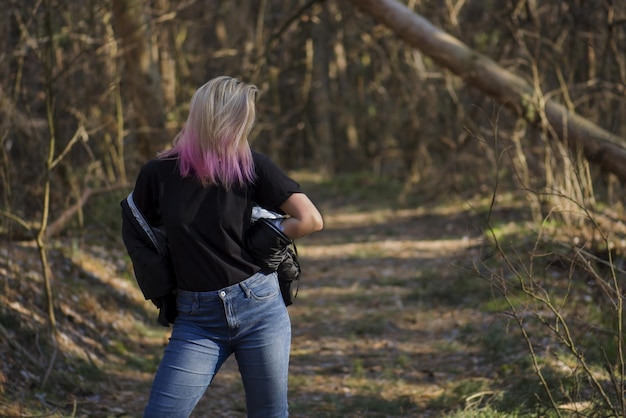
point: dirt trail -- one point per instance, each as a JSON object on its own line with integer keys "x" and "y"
{"x": 368, "y": 340}
{"x": 383, "y": 300}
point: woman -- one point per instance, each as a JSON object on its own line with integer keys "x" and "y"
{"x": 201, "y": 193}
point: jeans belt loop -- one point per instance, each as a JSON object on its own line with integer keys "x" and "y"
{"x": 245, "y": 289}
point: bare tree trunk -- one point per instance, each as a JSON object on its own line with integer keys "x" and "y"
{"x": 115, "y": 142}
{"x": 167, "y": 60}
{"x": 320, "y": 95}
{"x": 598, "y": 145}
{"x": 142, "y": 75}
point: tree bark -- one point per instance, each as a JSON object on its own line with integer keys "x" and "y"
{"x": 320, "y": 95}
{"x": 599, "y": 146}
{"x": 141, "y": 75}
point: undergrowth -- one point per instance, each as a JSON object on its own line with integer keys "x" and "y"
{"x": 441, "y": 310}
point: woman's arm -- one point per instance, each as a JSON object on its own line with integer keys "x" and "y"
{"x": 304, "y": 218}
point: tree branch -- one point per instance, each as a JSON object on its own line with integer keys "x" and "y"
{"x": 599, "y": 146}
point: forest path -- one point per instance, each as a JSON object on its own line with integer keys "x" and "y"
{"x": 384, "y": 297}
{"x": 385, "y": 324}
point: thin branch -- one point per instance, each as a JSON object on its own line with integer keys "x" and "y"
{"x": 21, "y": 222}
{"x": 296, "y": 15}
{"x": 80, "y": 134}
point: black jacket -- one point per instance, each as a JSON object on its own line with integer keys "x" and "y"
{"x": 148, "y": 250}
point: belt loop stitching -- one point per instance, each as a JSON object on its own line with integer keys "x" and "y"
{"x": 245, "y": 289}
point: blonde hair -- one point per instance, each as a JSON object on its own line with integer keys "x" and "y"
{"x": 213, "y": 146}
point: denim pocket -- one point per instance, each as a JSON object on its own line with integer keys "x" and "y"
{"x": 265, "y": 289}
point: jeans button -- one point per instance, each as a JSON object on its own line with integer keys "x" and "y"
{"x": 222, "y": 294}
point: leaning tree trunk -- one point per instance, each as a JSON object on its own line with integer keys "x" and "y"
{"x": 598, "y": 145}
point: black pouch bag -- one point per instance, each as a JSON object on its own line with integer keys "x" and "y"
{"x": 289, "y": 275}
{"x": 272, "y": 249}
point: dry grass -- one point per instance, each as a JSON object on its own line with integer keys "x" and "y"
{"x": 390, "y": 321}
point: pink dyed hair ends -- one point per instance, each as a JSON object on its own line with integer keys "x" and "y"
{"x": 213, "y": 146}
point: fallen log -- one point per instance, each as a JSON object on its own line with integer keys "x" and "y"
{"x": 600, "y": 147}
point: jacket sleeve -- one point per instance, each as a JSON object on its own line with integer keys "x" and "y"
{"x": 147, "y": 249}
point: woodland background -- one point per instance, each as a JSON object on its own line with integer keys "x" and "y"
{"x": 90, "y": 90}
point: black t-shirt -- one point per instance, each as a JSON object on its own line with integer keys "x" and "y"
{"x": 205, "y": 226}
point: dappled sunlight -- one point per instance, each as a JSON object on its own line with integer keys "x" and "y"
{"x": 344, "y": 220}
{"x": 366, "y": 327}
{"x": 379, "y": 319}
{"x": 33, "y": 317}
{"x": 390, "y": 316}
{"x": 416, "y": 366}
{"x": 370, "y": 217}
{"x": 401, "y": 249}
{"x": 98, "y": 316}
{"x": 107, "y": 270}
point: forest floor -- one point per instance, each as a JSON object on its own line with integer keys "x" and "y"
{"x": 390, "y": 321}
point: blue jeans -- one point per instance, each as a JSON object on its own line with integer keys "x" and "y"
{"x": 248, "y": 319}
